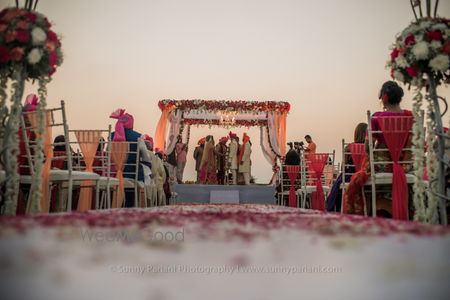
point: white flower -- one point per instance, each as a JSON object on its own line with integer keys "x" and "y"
{"x": 399, "y": 76}
{"x": 425, "y": 24}
{"x": 38, "y": 36}
{"x": 401, "y": 61}
{"x": 34, "y": 56}
{"x": 440, "y": 63}
{"x": 435, "y": 44}
{"x": 439, "y": 26}
{"x": 420, "y": 50}
{"x": 447, "y": 33}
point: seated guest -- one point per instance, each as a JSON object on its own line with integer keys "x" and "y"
{"x": 391, "y": 95}
{"x": 124, "y": 132}
{"x": 335, "y": 196}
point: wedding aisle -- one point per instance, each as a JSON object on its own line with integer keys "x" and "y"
{"x": 221, "y": 252}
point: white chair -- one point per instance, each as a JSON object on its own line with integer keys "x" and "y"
{"x": 379, "y": 178}
{"x": 285, "y": 185}
{"x": 309, "y": 181}
{"x": 66, "y": 178}
{"x": 131, "y": 174}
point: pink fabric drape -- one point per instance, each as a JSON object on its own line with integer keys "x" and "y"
{"x": 358, "y": 151}
{"x": 119, "y": 154}
{"x": 282, "y": 134}
{"x": 48, "y": 154}
{"x": 88, "y": 141}
{"x": 396, "y": 131}
{"x": 161, "y": 128}
{"x": 293, "y": 172}
{"x": 316, "y": 163}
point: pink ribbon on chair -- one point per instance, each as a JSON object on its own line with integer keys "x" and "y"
{"x": 124, "y": 120}
{"x": 293, "y": 172}
{"x": 358, "y": 151}
{"x": 316, "y": 163}
{"x": 396, "y": 131}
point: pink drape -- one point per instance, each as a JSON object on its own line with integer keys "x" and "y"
{"x": 88, "y": 141}
{"x": 119, "y": 153}
{"x": 316, "y": 163}
{"x": 293, "y": 172}
{"x": 282, "y": 134}
{"x": 396, "y": 131}
{"x": 358, "y": 151}
{"x": 48, "y": 154}
{"x": 161, "y": 128}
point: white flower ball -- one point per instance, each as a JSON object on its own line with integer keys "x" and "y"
{"x": 401, "y": 61}
{"x": 34, "y": 56}
{"x": 399, "y": 76}
{"x": 38, "y": 36}
{"x": 420, "y": 50}
{"x": 440, "y": 63}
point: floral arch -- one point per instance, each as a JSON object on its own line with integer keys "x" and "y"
{"x": 179, "y": 115}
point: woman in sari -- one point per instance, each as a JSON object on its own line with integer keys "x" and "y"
{"x": 391, "y": 95}
{"x": 208, "y": 168}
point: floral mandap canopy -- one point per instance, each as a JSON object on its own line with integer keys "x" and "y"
{"x": 270, "y": 116}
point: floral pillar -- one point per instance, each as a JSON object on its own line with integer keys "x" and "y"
{"x": 29, "y": 50}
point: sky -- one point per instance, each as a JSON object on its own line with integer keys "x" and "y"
{"x": 327, "y": 58}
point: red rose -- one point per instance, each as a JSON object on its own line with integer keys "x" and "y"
{"x": 4, "y": 54}
{"x": 446, "y": 47}
{"x": 23, "y": 36}
{"x": 17, "y": 54}
{"x": 434, "y": 35}
{"x": 410, "y": 39}
{"x": 411, "y": 71}
{"x": 50, "y": 46}
{"x": 31, "y": 17}
{"x": 394, "y": 53}
{"x": 53, "y": 58}
{"x": 52, "y": 37}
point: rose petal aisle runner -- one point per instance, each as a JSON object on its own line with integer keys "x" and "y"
{"x": 221, "y": 252}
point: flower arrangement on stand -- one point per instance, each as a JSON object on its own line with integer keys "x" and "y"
{"x": 226, "y": 105}
{"x": 420, "y": 57}
{"x": 29, "y": 50}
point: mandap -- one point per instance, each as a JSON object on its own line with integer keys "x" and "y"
{"x": 177, "y": 117}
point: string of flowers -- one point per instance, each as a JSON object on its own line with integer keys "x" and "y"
{"x": 216, "y": 122}
{"x": 432, "y": 167}
{"x": 419, "y": 158}
{"x": 226, "y": 105}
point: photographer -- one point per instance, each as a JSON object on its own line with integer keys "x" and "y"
{"x": 292, "y": 156}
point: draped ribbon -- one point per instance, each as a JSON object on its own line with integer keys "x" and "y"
{"x": 293, "y": 173}
{"x": 124, "y": 120}
{"x": 48, "y": 154}
{"x": 88, "y": 141}
{"x": 358, "y": 152}
{"x": 316, "y": 163}
{"x": 119, "y": 154}
{"x": 396, "y": 131}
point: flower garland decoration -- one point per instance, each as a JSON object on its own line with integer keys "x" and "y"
{"x": 226, "y": 105}
{"x": 420, "y": 57}
{"x": 29, "y": 50}
{"x": 216, "y": 122}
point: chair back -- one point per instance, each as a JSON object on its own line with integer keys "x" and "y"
{"x": 290, "y": 181}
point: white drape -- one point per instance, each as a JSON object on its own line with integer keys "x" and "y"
{"x": 265, "y": 146}
{"x": 174, "y": 131}
{"x": 273, "y": 121}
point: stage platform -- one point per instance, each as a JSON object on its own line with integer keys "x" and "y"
{"x": 237, "y": 194}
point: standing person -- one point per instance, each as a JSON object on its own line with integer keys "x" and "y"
{"x": 172, "y": 160}
{"x": 311, "y": 148}
{"x": 198, "y": 154}
{"x": 244, "y": 158}
{"x": 181, "y": 151}
{"x": 208, "y": 167}
{"x": 221, "y": 151}
{"x": 233, "y": 156}
{"x": 162, "y": 180}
